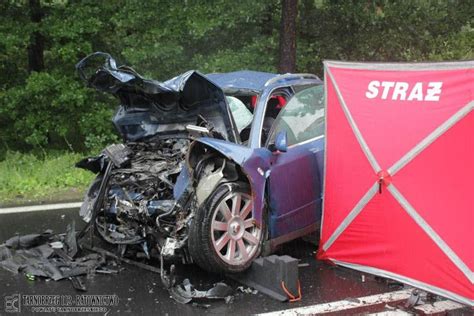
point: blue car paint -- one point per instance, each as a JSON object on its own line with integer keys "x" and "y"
{"x": 254, "y": 162}
{"x": 176, "y": 100}
{"x": 281, "y": 142}
{"x": 182, "y": 183}
{"x": 257, "y": 168}
{"x": 290, "y": 209}
{"x": 238, "y": 153}
{"x": 295, "y": 186}
{"x": 242, "y": 81}
{"x": 149, "y": 107}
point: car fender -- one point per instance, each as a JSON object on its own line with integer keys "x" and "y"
{"x": 254, "y": 163}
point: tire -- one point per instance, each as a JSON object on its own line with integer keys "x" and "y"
{"x": 222, "y": 239}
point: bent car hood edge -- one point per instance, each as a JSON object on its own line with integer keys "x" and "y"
{"x": 149, "y": 107}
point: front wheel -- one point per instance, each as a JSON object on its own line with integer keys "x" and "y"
{"x": 224, "y": 237}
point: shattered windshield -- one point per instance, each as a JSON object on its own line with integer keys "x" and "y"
{"x": 242, "y": 115}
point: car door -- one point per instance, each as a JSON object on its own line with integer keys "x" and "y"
{"x": 295, "y": 181}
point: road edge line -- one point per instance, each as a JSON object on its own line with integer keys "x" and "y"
{"x": 344, "y": 305}
{"x": 39, "y": 208}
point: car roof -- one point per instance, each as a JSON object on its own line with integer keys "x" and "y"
{"x": 246, "y": 82}
{"x": 243, "y": 81}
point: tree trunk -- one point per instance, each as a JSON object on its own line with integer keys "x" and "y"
{"x": 287, "y": 60}
{"x": 36, "y": 46}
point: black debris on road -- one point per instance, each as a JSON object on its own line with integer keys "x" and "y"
{"x": 141, "y": 291}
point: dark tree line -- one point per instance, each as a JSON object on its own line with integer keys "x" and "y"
{"x": 42, "y": 102}
{"x": 287, "y": 51}
{"x": 36, "y": 46}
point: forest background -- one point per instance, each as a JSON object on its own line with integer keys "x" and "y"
{"x": 49, "y": 119}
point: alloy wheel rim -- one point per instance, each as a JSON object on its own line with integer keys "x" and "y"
{"x": 234, "y": 233}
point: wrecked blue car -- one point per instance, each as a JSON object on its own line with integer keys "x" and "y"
{"x": 214, "y": 169}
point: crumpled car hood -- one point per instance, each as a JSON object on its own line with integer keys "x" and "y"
{"x": 149, "y": 107}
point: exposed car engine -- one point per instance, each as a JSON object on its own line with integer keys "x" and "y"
{"x": 143, "y": 204}
{"x": 148, "y": 199}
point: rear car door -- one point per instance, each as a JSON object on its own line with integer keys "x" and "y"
{"x": 295, "y": 182}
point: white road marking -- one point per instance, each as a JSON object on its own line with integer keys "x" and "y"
{"x": 391, "y": 313}
{"x": 344, "y": 304}
{"x": 37, "y": 208}
{"x": 438, "y": 307}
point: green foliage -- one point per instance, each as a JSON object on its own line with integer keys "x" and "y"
{"x": 165, "y": 40}
{"x": 384, "y": 30}
{"x": 160, "y": 39}
{"x": 27, "y": 175}
{"x": 52, "y": 106}
{"x": 96, "y": 127}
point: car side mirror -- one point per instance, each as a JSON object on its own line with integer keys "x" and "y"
{"x": 281, "y": 142}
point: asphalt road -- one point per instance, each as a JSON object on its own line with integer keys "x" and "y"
{"x": 140, "y": 292}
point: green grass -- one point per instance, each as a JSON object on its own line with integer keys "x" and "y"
{"x": 32, "y": 176}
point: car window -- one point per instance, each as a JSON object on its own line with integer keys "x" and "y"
{"x": 242, "y": 116}
{"x": 302, "y": 117}
{"x": 275, "y": 103}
